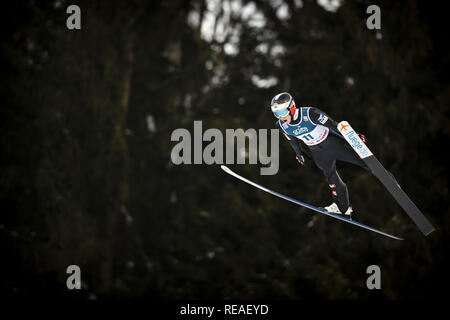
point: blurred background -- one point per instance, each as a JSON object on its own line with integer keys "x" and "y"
{"x": 86, "y": 176}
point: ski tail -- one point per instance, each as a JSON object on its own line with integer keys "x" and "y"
{"x": 319, "y": 210}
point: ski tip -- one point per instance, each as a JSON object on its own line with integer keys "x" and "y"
{"x": 225, "y": 168}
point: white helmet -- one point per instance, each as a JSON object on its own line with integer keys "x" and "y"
{"x": 282, "y": 104}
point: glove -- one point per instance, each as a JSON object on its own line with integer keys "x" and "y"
{"x": 300, "y": 159}
{"x": 363, "y": 137}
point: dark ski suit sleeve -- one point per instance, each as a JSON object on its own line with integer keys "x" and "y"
{"x": 319, "y": 117}
{"x": 293, "y": 141}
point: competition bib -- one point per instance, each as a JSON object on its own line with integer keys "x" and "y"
{"x": 310, "y": 133}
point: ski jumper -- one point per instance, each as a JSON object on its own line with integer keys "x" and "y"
{"x": 319, "y": 132}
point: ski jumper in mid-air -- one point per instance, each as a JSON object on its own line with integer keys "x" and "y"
{"x": 328, "y": 142}
{"x": 320, "y": 133}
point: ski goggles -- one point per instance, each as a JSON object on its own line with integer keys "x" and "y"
{"x": 281, "y": 113}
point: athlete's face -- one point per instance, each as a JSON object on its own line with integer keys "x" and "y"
{"x": 287, "y": 118}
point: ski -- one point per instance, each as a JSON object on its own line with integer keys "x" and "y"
{"x": 386, "y": 179}
{"x": 319, "y": 210}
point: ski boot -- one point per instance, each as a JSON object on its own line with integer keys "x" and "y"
{"x": 333, "y": 208}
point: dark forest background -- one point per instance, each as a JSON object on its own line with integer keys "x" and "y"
{"x": 86, "y": 176}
